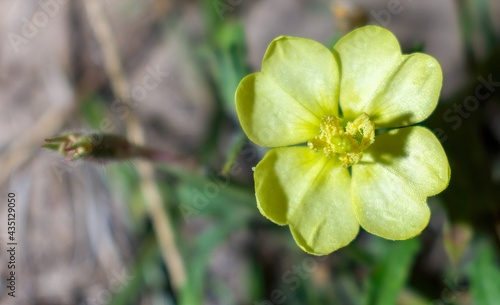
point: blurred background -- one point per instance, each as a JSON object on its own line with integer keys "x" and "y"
{"x": 163, "y": 73}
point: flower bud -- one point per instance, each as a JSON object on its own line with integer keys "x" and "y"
{"x": 94, "y": 146}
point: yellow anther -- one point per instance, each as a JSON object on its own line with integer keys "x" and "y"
{"x": 334, "y": 140}
{"x": 365, "y": 126}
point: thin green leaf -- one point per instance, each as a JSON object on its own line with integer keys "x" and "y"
{"x": 485, "y": 276}
{"x": 135, "y": 282}
{"x": 234, "y": 152}
{"x": 206, "y": 243}
{"x": 94, "y": 111}
{"x": 391, "y": 274}
{"x": 486, "y": 24}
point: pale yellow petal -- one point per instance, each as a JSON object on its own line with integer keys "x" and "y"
{"x": 391, "y": 184}
{"x": 298, "y": 85}
{"x": 309, "y": 192}
{"x": 393, "y": 89}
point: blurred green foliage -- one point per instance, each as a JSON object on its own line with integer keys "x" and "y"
{"x": 370, "y": 271}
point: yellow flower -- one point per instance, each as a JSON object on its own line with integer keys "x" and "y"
{"x": 348, "y": 175}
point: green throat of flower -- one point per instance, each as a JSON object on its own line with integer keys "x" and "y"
{"x": 346, "y": 143}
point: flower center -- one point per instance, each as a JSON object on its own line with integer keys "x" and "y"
{"x": 346, "y": 143}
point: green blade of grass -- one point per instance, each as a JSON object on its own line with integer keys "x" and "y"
{"x": 391, "y": 272}
{"x": 485, "y": 276}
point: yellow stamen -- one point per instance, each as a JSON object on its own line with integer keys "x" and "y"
{"x": 334, "y": 140}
